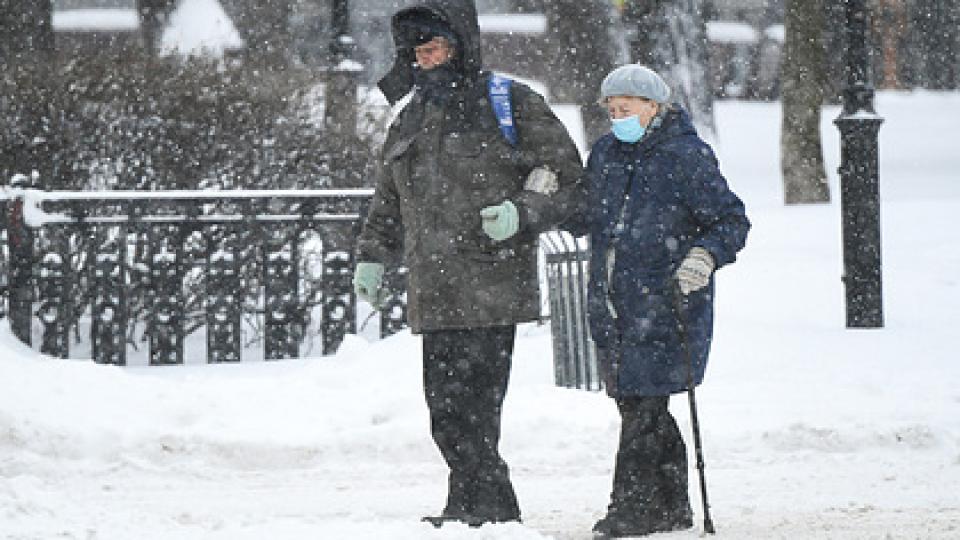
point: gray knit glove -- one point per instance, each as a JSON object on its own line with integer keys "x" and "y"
{"x": 694, "y": 272}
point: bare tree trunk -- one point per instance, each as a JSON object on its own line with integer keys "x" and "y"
{"x": 581, "y": 56}
{"x": 936, "y": 23}
{"x": 264, "y": 27}
{"x": 888, "y": 24}
{"x": 801, "y": 152}
{"x": 670, "y": 37}
{"x": 153, "y": 15}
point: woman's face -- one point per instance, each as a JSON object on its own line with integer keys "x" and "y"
{"x": 620, "y": 107}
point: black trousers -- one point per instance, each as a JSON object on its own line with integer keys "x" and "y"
{"x": 465, "y": 376}
{"x": 650, "y": 475}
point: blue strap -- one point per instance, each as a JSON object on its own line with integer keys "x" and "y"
{"x": 499, "y": 89}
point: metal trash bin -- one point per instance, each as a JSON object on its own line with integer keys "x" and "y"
{"x": 574, "y": 354}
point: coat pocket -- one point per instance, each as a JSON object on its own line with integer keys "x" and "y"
{"x": 488, "y": 253}
{"x": 397, "y": 164}
{"x": 397, "y": 149}
{"x": 460, "y": 144}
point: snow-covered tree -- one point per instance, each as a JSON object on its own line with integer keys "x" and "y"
{"x": 26, "y": 43}
{"x": 582, "y": 53}
{"x": 25, "y": 27}
{"x": 153, "y": 15}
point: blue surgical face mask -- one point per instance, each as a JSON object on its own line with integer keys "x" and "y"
{"x": 628, "y": 129}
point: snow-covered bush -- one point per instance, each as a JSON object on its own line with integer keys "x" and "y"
{"x": 147, "y": 123}
{"x": 160, "y": 123}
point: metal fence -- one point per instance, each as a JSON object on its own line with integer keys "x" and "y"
{"x": 574, "y": 354}
{"x": 109, "y": 265}
{"x": 101, "y": 267}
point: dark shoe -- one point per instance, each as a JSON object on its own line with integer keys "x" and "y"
{"x": 674, "y": 497}
{"x": 678, "y": 520}
{"x": 495, "y": 514}
{"x": 440, "y": 521}
{"x": 470, "y": 520}
{"x": 491, "y": 501}
{"x": 620, "y": 526}
{"x": 622, "y": 523}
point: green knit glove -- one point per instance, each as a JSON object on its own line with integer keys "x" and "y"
{"x": 501, "y": 221}
{"x": 368, "y": 283}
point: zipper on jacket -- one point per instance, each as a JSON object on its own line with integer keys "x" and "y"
{"x": 619, "y": 228}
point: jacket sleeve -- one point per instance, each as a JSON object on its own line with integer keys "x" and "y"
{"x": 580, "y": 220}
{"x": 719, "y": 214}
{"x": 545, "y": 142}
{"x": 381, "y": 239}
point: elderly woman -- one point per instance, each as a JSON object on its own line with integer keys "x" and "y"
{"x": 661, "y": 219}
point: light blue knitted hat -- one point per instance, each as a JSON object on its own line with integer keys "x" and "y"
{"x": 635, "y": 80}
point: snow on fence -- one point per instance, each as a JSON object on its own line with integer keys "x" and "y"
{"x": 97, "y": 269}
{"x": 167, "y": 265}
{"x": 527, "y": 23}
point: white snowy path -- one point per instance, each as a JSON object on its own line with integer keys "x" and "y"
{"x": 810, "y": 430}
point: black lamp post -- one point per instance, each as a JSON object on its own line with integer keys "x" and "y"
{"x": 342, "y": 44}
{"x": 341, "y": 94}
{"x": 859, "y": 126}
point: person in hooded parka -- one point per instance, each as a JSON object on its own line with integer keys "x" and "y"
{"x": 462, "y": 207}
{"x": 660, "y": 219}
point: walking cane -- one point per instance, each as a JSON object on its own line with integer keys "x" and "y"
{"x": 682, "y": 327}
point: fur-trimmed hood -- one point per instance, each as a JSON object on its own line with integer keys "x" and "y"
{"x": 461, "y": 16}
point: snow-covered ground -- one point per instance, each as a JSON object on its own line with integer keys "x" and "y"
{"x": 810, "y": 430}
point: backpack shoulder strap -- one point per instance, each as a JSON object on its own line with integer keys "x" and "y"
{"x": 498, "y": 88}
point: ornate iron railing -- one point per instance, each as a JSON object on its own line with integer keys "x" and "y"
{"x": 169, "y": 263}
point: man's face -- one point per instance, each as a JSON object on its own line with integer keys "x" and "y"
{"x": 433, "y": 53}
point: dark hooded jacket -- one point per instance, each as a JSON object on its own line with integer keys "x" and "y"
{"x": 672, "y": 197}
{"x": 440, "y": 165}
{"x": 461, "y": 16}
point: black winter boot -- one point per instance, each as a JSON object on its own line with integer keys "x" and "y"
{"x": 620, "y": 523}
{"x": 677, "y": 514}
{"x": 650, "y": 476}
{"x": 636, "y": 507}
{"x": 441, "y": 520}
{"x": 495, "y": 500}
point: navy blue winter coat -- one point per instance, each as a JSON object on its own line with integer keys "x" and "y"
{"x": 672, "y": 197}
